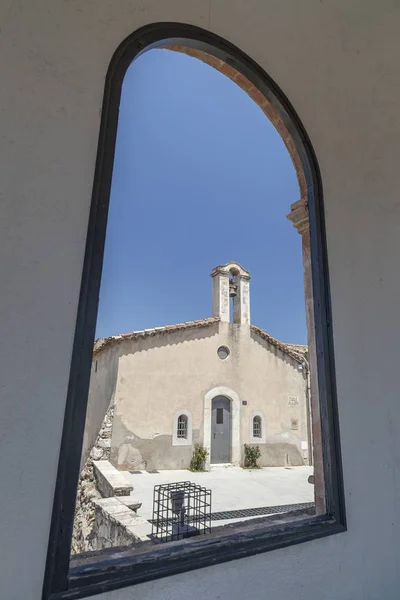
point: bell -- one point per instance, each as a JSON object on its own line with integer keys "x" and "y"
{"x": 232, "y": 290}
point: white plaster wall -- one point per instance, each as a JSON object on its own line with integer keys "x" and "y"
{"x": 161, "y": 375}
{"x": 338, "y": 64}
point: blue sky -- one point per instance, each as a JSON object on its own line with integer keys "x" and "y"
{"x": 200, "y": 178}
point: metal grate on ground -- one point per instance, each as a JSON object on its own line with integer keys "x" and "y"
{"x": 257, "y": 512}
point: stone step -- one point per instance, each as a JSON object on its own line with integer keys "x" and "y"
{"x": 130, "y": 502}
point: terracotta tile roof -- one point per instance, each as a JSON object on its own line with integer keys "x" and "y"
{"x": 296, "y": 351}
{"x": 102, "y": 343}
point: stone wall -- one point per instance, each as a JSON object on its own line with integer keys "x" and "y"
{"x": 116, "y": 525}
{"x": 83, "y": 539}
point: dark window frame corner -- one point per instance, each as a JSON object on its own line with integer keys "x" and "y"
{"x": 182, "y": 427}
{"x": 70, "y": 579}
{"x": 257, "y": 426}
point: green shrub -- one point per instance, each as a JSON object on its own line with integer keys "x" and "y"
{"x": 199, "y": 456}
{"x": 251, "y": 455}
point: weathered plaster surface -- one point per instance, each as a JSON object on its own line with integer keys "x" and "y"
{"x": 162, "y": 375}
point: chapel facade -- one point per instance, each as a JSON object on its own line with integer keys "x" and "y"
{"x": 220, "y": 381}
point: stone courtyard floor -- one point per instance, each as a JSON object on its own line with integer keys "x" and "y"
{"x": 237, "y": 494}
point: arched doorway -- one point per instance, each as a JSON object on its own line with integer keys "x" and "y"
{"x": 210, "y": 402}
{"x": 220, "y": 430}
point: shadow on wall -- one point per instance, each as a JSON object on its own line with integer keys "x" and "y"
{"x": 274, "y": 350}
{"x": 103, "y": 380}
{"x": 143, "y": 343}
{"x": 159, "y": 454}
{"x": 104, "y": 376}
{"x": 129, "y": 452}
{"x": 278, "y": 455}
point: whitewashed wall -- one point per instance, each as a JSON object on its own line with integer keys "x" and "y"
{"x": 338, "y": 64}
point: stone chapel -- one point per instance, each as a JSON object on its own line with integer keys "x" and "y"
{"x": 219, "y": 381}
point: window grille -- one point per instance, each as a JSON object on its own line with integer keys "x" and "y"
{"x": 257, "y": 428}
{"x": 181, "y": 431}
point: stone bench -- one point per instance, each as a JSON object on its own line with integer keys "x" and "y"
{"x": 110, "y": 482}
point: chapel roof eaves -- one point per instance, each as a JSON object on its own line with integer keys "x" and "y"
{"x": 295, "y": 351}
{"x": 102, "y": 343}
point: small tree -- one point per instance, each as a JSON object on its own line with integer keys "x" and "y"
{"x": 251, "y": 455}
{"x": 199, "y": 456}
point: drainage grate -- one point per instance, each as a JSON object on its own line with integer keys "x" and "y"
{"x": 259, "y": 511}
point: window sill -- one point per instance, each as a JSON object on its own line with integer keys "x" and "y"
{"x": 102, "y": 571}
{"x": 182, "y": 442}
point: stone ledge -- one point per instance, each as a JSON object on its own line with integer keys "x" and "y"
{"x": 129, "y": 502}
{"x": 110, "y": 482}
{"x": 115, "y": 521}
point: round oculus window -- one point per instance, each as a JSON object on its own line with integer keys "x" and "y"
{"x": 223, "y": 352}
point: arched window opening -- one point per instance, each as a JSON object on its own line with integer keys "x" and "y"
{"x": 234, "y": 295}
{"x": 257, "y": 427}
{"x": 168, "y": 359}
{"x": 182, "y": 427}
{"x": 181, "y": 430}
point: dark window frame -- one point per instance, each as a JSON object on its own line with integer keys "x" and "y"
{"x": 223, "y": 352}
{"x": 219, "y": 417}
{"x": 257, "y": 426}
{"x": 182, "y": 427}
{"x": 83, "y": 576}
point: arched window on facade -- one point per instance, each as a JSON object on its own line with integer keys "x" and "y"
{"x": 257, "y": 427}
{"x": 182, "y": 427}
